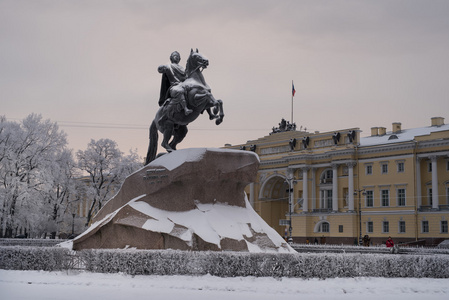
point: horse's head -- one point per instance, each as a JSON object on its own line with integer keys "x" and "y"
{"x": 196, "y": 61}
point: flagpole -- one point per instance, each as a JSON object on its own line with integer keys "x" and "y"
{"x": 292, "y": 110}
{"x": 293, "y": 94}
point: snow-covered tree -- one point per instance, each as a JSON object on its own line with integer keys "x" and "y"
{"x": 31, "y": 153}
{"x": 58, "y": 194}
{"x": 106, "y": 167}
{"x": 40, "y": 186}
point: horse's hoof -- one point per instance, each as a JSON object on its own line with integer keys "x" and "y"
{"x": 168, "y": 148}
{"x": 218, "y": 121}
{"x": 160, "y": 154}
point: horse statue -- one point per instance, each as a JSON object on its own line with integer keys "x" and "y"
{"x": 171, "y": 120}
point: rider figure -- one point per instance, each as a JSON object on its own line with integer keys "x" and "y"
{"x": 172, "y": 76}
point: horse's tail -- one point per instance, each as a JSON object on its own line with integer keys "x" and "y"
{"x": 152, "y": 148}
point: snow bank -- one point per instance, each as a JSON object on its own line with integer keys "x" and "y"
{"x": 37, "y": 285}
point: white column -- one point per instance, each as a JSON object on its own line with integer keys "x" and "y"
{"x": 351, "y": 185}
{"x": 334, "y": 188}
{"x": 435, "y": 204}
{"x": 418, "y": 182}
{"x": 305, "y": 190}
{"x": 320, "y": 200}
{"x": 314, "y": 204}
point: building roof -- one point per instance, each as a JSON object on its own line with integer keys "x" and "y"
{"x": 405, "y": 135}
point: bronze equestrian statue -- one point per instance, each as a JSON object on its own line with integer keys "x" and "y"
{"x": 184, "y": 96}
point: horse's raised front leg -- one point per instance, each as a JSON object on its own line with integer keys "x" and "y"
{"x": 213, "y": 103}
{"x": 211, "y": 114}
{"x": 221, "y": 112}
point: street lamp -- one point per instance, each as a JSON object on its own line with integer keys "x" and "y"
{"x": 73, "y": 223}
{"x": 358, "y": 192}
{"x": 290, "y": 181}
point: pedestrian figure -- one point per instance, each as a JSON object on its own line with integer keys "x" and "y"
{"x": 389, "y": 242}
{"x": 390, "y": 245}
{"x": 366, "y": 240}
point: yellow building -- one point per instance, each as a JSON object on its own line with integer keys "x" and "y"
{"x": 342, "y": 187}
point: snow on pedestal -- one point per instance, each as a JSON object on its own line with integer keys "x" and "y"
{"x": 190, "y": 199}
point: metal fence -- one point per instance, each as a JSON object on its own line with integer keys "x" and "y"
{"x": 312, "y": 248}
{"x": 31, "y": 242}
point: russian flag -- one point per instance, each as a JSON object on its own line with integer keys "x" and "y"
{"x": 293, "y": 89}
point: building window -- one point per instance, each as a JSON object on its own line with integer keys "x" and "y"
{"x": 329, "y": 199}
{"x": 326, "y": 199}
{"x": 340, "y": 228}
{"x": 369, "y": 169}
{"x": 401, "y": 226}
{"x": 324, "y": 227}
{"x": 401, "y": 197}
{"x": 369, "y": 199}
{"x": 443, "y": 226}
{"x": 385, "y": 197}
{"x": 429, "y": 195}
{"x": 425, "y": 226}
{"x": 385, "y": 227}
{"x": 326, "y": 177}
{"x": 401, "y": 167}
{"x": 429, "y": 166}
{"x": 369, "y": 227}
{"x": 447, "y": 165}
{"x": 384, "y": 168}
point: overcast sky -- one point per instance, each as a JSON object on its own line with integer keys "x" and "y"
{"x": 91, "y": 65}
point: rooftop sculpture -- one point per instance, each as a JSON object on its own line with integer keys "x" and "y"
{"x": 284, "y": 126}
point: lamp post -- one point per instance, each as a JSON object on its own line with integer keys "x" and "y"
{"x": 290, "y": 181}
{"x": 73, "y": 223}
{"x": 358, "y": 192}
{"x": 73, "y": 209}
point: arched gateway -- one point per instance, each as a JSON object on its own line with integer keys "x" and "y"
{"x": 273, "y": 197}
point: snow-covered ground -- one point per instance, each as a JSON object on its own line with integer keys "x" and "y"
{"x": 70, "y": 285}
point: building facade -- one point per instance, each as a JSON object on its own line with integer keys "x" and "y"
{"x": 335, "y": 187}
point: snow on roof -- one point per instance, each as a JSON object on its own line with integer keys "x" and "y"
{"x": 405, "y": 135}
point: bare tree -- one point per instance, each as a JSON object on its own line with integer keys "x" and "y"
{"x": 106, "y": 168}
{"x": 60, "y": 187}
